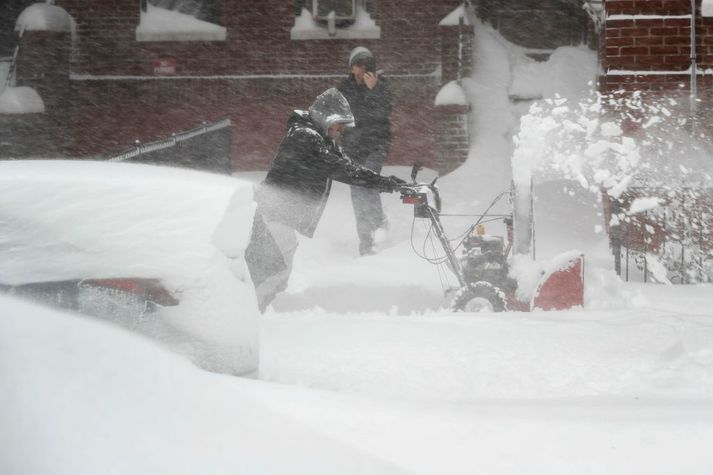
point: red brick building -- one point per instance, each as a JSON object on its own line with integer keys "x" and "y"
{"x": 112, "y": 82}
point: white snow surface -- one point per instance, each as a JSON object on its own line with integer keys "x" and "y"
{"x": 362, "y": 366}
{"x": 21, "y": 100}
{"x": 91, "y": 398}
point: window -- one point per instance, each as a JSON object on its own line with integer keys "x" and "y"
{"x": 337, "y": 19}
{"x": 180, "y": 20}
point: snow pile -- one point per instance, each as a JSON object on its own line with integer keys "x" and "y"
{"x": 21, "y": 100}
{"x": 88, "y": 396}
{"x": 44, "y": 17}
{"x": 503, "y": 73}
{"x": 487, "y": 170}
{"x": 64, "y": 220}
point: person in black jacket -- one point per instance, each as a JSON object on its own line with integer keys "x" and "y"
{"x": 293, "y": 195}
{"x": 368, "y": 142}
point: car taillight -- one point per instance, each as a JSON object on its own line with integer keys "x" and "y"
{"x": 149, "y": 289}
{"x": 411, "y": 200}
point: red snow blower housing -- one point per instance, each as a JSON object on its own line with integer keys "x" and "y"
{"x": 481, "y": 262}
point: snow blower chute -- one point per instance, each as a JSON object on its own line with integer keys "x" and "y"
{"x": 482, "y": 263}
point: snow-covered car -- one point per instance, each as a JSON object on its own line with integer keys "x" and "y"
{"x": 156, "y": 249}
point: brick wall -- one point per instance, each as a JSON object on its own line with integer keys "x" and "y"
{"x": 456, "y": 52}
{"x": 539, "y": 24}
{"x": 33, "y": 135}
{"x": 645, "y": 46}
{"x": 652, "y": 39}
{"x": 453, "y": 136}
{"x": 255, "y": 77}
{"x": 43, "y": 64}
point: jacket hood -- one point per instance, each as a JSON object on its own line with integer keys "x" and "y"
{"x": 330, "y": 107}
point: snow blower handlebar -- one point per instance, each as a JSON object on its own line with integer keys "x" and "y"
{"x": 424, "y": 196}
{"x": 418, "y": 194}
{"x": 427, "y": 204}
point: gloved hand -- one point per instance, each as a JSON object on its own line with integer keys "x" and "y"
{"x": 391, "y": 184}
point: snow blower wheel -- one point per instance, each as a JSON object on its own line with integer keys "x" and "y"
{"x": 479, "y": 297}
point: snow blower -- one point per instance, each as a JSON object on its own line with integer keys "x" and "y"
{"x": 482, "y": 263}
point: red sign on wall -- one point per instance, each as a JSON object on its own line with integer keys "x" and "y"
{"x": 164, "y": 66}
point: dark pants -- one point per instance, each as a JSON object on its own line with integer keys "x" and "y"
{"x": 269, "y": 258}
{"x": 366, "y": 202}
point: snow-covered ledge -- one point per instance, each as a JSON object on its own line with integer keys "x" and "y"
{"x": 707, "y": 8}
{"x": 306, "y": 28}
{"x": 158, "y": 24}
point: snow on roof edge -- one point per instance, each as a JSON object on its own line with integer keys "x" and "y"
{"x": 454, "y": 17}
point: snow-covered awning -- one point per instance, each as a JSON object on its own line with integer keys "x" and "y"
{"x": 44, "y": 17}
{"x": 21, "y": 100}
{"x": 451, "y": 94}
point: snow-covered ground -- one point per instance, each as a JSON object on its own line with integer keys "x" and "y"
{"x": 364, "y": 369}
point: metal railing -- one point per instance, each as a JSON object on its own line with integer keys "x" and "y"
{"x": 175, "y": 139}
{"x": 200, "y": 148}
{"x": 676, "y": 236}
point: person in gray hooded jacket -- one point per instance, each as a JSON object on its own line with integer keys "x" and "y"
{"x": 293, "y": 195}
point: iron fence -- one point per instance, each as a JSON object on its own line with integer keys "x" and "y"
{"x": 205, "y": 148}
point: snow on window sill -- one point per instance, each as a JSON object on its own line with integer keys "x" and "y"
{"x": 306, "y": 28}
{"x": 158, "y": 24}
{"x": 180, "y": 35}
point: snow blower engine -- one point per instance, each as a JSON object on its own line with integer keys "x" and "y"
{"x": 480, "y": 262}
